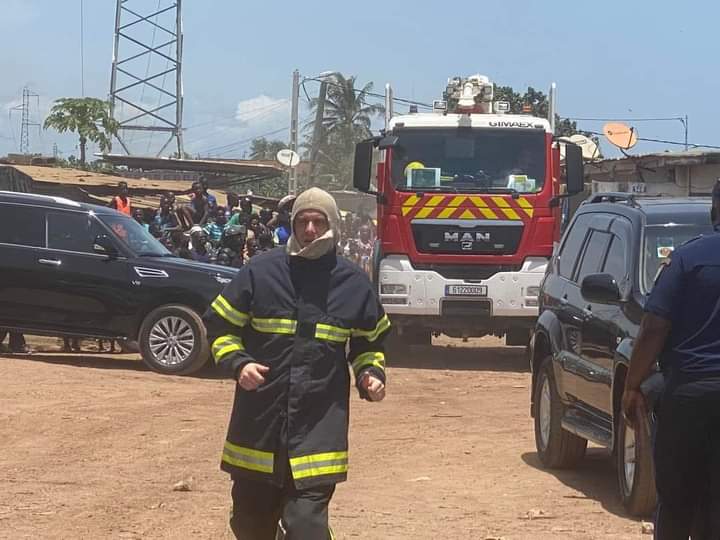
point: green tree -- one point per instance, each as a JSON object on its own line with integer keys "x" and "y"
{"x": 88, "y": 117}
{"x": 537, "y": 103}
{"x": 346, "y": 121}
{"x": 264, "y": 150}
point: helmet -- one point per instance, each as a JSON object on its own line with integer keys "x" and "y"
{"x": 235, "y": 230}
{"x": 265, "y": 215}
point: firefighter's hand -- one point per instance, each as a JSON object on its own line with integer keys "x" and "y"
{"x": 252, "y": 375}
{"x": 374, "y": 387}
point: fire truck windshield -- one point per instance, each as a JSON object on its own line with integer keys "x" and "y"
{"x": 469, "y": 160}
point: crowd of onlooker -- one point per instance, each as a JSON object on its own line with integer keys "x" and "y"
{"x": 206, "y": 231}
{"x": 229, "y": 235}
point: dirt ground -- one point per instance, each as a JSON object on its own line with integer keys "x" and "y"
{"x": 91, "y": 446}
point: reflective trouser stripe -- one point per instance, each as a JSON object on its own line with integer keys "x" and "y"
{"x": 247, "y": 458}
{"x": 274, "y": 326}
{"x": 331, "y": 333}
{"x": 319, "y": 465}
{"x": 369, "y": 359}
{"x": 224, "y": 345}
{"x": 382, "y": 326}
{"x": 223, "y": 308}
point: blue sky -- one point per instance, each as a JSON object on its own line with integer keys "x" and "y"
{"x": 609, "y": 59}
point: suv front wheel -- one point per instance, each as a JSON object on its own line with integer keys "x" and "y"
{"x": 557, "y": 448}
{"x": 635, "y": 468}
{"x": 173, "y": 340}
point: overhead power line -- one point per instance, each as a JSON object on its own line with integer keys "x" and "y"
{"x": 665, "y": 119}
{"x": 373, "y": 94}
{"x": 661, "y": 141}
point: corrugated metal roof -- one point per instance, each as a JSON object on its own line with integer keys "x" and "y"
{"x": 250, "y": 168}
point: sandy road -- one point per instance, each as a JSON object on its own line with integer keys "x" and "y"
{"x": 91, "y": 446}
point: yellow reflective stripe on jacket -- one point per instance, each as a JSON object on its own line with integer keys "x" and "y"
{"x": 368, "y": 359}
{"x": 371, "y": 335}
{"x": 331, "y": 333}
{"x": 319, "y": 464}
{"x": 223, "y": 308}
{"x": 274, "y": 326}
{"x": 224, "y": 345}
{"x": 247, "y": 458}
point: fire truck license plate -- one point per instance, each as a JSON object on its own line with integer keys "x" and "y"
{"x": 465, "y": 290}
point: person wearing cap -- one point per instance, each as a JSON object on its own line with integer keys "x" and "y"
{"x": 280, "y": 329}
{"x": 681, "y": 326}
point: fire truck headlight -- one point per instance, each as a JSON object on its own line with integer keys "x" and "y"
{"x": 393, "y": 288}
{"x": 532, "y": 291}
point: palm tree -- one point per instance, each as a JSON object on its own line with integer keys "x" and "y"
{"x": 346, "y": 121}
{"x": 264, "y": 150}
{"x": 88, "y": 117}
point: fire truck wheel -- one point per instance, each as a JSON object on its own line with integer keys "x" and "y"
{"x": 517, "y": 337}
{"x": 416, "y": 336}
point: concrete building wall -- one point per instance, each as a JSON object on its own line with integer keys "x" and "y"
{"x": 654, "y": 176}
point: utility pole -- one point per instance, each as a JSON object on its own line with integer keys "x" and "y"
{"x": 292, "y": 175}
{"x": 25, "y": 123}
{"x": 318, "y": 128}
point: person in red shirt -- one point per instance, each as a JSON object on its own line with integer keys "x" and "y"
{"x": 121, "y": 201}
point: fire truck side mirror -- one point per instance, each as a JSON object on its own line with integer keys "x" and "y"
{"x": 363, "y": 165}
{"x": 574, "y": 170}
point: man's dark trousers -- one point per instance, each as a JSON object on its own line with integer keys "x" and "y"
{"x": 258, "y": 506}
{"x": 687, "y": 460}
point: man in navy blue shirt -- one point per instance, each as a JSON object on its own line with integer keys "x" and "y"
{"x": 681, "y": 326}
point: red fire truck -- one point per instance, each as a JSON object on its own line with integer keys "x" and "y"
{"x": 469, "y": 205}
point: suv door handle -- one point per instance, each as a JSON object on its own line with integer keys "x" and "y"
{"x": 50, "y": 262}
{"x": 587, "y": 312}
{"x": 564, "y": 301}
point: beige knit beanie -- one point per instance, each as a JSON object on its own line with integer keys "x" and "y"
{"x": 320, "y": 201}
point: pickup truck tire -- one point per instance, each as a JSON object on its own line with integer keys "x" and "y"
{"x": 556, "y": 447}
{"x": 636, "y": 478}
{"x": 173, "y": 340}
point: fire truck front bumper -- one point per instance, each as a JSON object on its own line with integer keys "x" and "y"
{"x": 405, "y": 290}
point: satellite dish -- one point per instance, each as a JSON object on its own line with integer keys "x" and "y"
{"x": 288, "y": 157}
{"x": 590, "y": 150}
{"x": 620, "y": 135}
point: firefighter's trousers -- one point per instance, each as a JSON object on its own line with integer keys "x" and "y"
{"x": 258, "y": 506}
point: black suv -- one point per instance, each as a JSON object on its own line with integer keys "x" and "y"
{"x": 78, "y": 270}
{"x": 591, "y": 303}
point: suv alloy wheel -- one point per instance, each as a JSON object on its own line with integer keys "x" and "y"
{"x": 173, "y": 340}
{"x": 636, "y": 479}
{"x": 556, "y": 447}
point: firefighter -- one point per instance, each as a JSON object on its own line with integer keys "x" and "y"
{"x": 280, "y": 328}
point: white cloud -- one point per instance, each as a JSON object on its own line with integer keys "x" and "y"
{"x": 261, "y": 109}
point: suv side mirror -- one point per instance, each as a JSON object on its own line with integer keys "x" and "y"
{"x": 363, "y": 165}
{"x": 574, "y": 169}
{"x": 103, "y": 245}
{"x": 600, "y": 288}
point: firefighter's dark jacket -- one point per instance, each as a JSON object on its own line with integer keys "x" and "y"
{"x": 295, "y": 316}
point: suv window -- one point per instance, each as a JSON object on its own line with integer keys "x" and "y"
{"x": 72, "y": 231}
{"x": 615, "y": 260}
{"x": 574, "y": 239}
{"x": 594, "y": 254}
{"x": 22, "y": 225}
